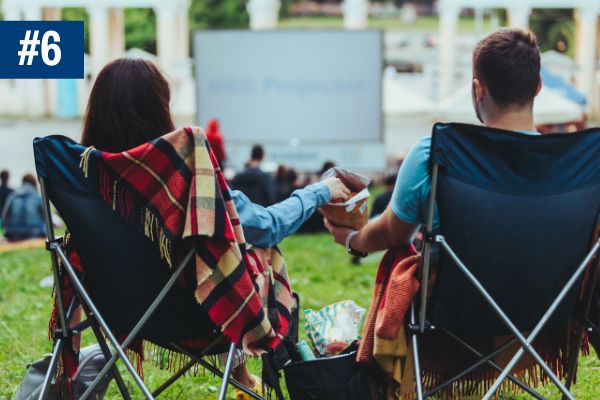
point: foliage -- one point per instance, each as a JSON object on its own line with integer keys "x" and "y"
{"x": 218, "y": 14}
{"x": 554, "y": 29}
{"x": 140, "y": 29}
{"x": 79, "y": 14}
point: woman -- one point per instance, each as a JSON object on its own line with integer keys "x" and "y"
{"x": 129, "y": 106}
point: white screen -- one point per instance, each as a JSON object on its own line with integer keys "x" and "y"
{"x": 281, "y": 87}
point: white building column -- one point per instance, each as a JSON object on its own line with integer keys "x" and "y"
{"x": 167, "y": 37}
{"x": 11, "y": 98}
{"x": 519, "y": 16}
{"x": 183, "y": 22}
{"x": 448, "y": 17}
{"x": 51, "y": 85}
{"x": 99, "y": 38}
{"x": 116, "y": 33}
{"x": 264, "y": 14}
{"x": 356, "y": 14}
{"x": 585, "y": 37}
{"x": 34, "y": 89}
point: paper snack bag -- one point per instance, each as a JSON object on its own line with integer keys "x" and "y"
{"x": 354, "y": 212}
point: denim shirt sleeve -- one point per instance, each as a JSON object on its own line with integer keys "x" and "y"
{"x": 267, "y": 226}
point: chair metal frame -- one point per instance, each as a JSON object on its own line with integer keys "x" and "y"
{"x": 101, "y": 329}
{"x": 417, "y": 327}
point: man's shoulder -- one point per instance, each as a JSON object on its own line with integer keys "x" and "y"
{"x": 418, "y": 155}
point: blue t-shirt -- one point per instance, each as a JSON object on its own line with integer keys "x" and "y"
{"x": 411, "y": 193}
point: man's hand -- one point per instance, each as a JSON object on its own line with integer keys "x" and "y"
{"x": 339, "y": 233}
{"x": 337, "y": 190}
{"x": 380, "y": 233}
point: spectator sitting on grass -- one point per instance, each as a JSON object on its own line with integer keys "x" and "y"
{"x": 22, "y": 215}
{"x": 4, "y": 190}
{"x": 254, "y": 182}
{"x": 381, "y": 202}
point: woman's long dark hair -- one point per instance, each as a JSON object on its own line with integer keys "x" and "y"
{"x": 128, "y": 106}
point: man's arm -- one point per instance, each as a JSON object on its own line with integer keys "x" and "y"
{"x": 380, "y": 233}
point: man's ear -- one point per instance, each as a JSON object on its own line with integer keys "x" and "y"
{"x": 478, "y": 90}
{"x": 539, "y": 87}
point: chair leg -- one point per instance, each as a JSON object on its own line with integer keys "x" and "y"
{"x": 107, "y": 355}
{"x": 573, "y": 357}
{"x": 173, "y": 378}
{"x": 227, "y": 372}
{"x": 85, "y": 299}
{"x": 214, "y": 370}
{"x": 415, "y": 350}
{"x": 51, "y": 367}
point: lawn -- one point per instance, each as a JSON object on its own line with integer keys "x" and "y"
{"x": 422, "y": 24}
{"x": 321, "y": 273}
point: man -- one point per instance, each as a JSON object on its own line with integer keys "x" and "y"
{"x": 4, "y": 190}
{"x": 254, "y": 182}
{"x": 506, "y": 79}
{"x": 23, "y": 214}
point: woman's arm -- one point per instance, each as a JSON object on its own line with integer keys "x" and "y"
{"x": 267, "y": 226}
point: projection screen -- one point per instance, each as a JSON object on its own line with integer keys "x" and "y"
{"x": 306, "y": 96}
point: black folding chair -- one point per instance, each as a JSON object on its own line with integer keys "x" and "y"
{"x": 517, "y": 216}
{"x": 128, "y": 289}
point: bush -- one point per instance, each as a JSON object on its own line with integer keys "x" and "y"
{"x": 218, "y": 14}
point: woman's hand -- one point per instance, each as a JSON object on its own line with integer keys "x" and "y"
{"x": 337, "y": 190}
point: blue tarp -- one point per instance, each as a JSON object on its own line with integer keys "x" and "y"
{"x": 559, "y": 85}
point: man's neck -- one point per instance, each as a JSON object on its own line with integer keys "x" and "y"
{"x": 254, "y": 164}
{"x": 512, "y": 120}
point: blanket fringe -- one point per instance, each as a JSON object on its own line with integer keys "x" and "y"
{"x": 154, "y": 232}
{"x": 477, "y": 383}
{"x": 84, "y": 163}
{"x": 122, "y": 200}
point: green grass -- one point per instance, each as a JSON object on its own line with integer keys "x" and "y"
{"x": 321, "y": 273}
{"x": 422, "y": 24}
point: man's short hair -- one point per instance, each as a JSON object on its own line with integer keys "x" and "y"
{"x": 4, "y": 175}
{"x": 507, "y": 62}
{"x": 30, "y": 179}
{"x": 258, "y": 153}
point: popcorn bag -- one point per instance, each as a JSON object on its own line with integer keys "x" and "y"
{"x": 354, "y": 212}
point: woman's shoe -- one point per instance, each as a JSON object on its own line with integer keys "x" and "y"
{"x": 239, "y": 395}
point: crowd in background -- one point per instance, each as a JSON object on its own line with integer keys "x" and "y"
{"x": 21, "y": 214}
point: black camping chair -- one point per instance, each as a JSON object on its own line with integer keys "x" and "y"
{"x": 128, "y": 288}
{"x": 517, "y": 216}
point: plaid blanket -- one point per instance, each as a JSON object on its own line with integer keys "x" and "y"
{"x": 385, "y": 341}
{"x": 384, "y": 338}
{"x": 174, "y": 187}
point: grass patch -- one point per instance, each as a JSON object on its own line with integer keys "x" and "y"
{"x": 321, "y": 273}
{"x": 422, "y": 24}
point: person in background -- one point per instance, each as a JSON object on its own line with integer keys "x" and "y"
{"x": 254, "y": 182}
{"x": 381, "y": 202}
{"x": 22, "y": 214}
{"x": 327, "y": 165}
{"x": 129, "y": 106}
{"x": 215, "y": 139}
{"x": 5, "y": 190}
{"x": 283, "y": 188}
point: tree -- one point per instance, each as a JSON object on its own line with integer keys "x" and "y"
{"x": 218, "y": 14}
